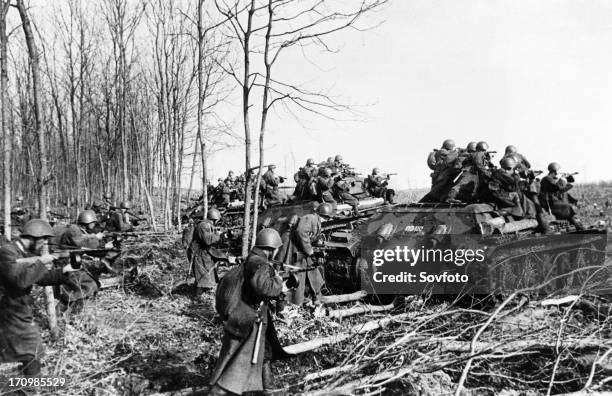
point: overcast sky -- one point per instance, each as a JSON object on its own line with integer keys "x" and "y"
{"x": 536, "y": 74}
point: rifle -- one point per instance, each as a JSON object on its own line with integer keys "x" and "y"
{"x": 59, "y": 216}
{"x": 566, "y": 175}
{"x": 388, "y": 175}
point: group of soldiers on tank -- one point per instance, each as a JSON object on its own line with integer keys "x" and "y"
{"x": 329, "y": 181}
{"x": 23, "y": 264}
{"x": 468, "y": 175}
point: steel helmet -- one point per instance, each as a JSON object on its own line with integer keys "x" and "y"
{"x": 108, "y": 195}
{"x": 325, "y": 209}
{"x": 213, "y": 214}
{"x": 327, "y": 172}
{"x": 230, "y": 173}
{"x": 554, "y": 167}
{"x": 448, "y": 144}
{"x": 37, "y": 228}
{"x": 87, "y": 217}
{"x": 338, "y": 158}
{"x": 482, "y": 146}
{"x": 268, "y": 238}
{"x": 471, "y": 147}
{"x": 510, "y": 149}
{"x": 309, "y": 161}
{"x": 125, "y": 205}
{"x": 507, "y": 163}
{"x": 375, "y": 171}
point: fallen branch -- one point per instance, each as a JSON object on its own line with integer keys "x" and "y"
{"x": 360, "y": 309}
{"x": 339, "y": 337}
{"x": 341, "y": 298}
{"x": 364, "y": 382}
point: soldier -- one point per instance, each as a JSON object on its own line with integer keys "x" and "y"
{"x": 521, "y": 160}
{"x": 270, "y": 182}
{"x": 119, "y": 219}
{"x": 20, "y": 339}
{"x": 305, "y": 187}
{"x": 341, "y": 192}
{"x": 554, "y": 197}
{"x": 300, "y": 253}
{"x": 223, "y": 193}
{"x": 504, "y": 188}
{"x": 82, "y": 284}
{"x": 250, "y": 341}
{"x": 325, "y": 183}
{"x": 230, "y": 180}
{"x": 202, "y": 252}
{"x": 442, "y": 162}
{"x": 377, "y": 186}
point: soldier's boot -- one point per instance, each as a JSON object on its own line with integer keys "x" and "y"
{"x": 269, "y": 384}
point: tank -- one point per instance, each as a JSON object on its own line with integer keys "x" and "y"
{"x": 515, "y": 255}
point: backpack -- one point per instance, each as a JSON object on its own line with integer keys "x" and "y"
{"x": 229, "y": 290}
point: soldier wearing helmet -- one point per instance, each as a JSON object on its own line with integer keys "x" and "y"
{"x": 20, "y": 339}
{"x": 324, "y": 185}
{"x": 377, "y": 186}
{"x": 270, "y": 183}
{"x": 203, "y": 251}
{"x": 504, "y": 189}
{"x": 471, "y": 147}
{"x": 249, "y": 324}
{"x": 83, "y": 234}
{"x": 119, "y": 219}
{"x": 222, "y": 194}
{"x": 522, "y": 164}
{"x": 300, "y": 252}
{"x": 555, "y": 197}
{"x": 305, "y": 178}
{"x": 441, "y": 162}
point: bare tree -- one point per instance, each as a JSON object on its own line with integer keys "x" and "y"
{"x": 271, "y": 28}
{"x": 6, "y": 135}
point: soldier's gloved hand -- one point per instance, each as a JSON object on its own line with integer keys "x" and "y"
{"x": 570, "y": 179}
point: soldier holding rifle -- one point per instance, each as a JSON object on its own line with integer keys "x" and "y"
{"x": 299, "y": 253}
{"x": 21, "y": 267}
{"x": 378, "y": 185}
{"x": 554, "y": 196}
{"x": 83, "y": 235}
{"x": 250, "y": 341}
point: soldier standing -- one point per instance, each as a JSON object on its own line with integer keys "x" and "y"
{"x": 119, "y": 219}
{"x": 202, "y": 252}
{"x": 250, "y": 341}
{"x": 20, "y": 339}
{"x": 377, "y": 186}
{"x": 300, "y": 252}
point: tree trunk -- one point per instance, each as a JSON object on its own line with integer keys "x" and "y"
{"x": 264, "y": 116}
{"x": 246, "y": 89}
{"x": 42, "y": 152}
{"x": 199, "y": 135}
{"x": 6, "y": 134}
